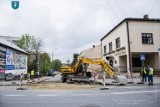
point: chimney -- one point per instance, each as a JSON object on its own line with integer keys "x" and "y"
{"x": 145, "y": 16}
{"x": 93, "y": 46}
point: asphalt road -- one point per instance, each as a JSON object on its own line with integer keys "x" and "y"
{"x": 123, "y": 96}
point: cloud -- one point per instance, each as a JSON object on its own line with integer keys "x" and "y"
{"x": 69, "y": 25}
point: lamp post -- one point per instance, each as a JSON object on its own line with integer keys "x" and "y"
{"x": 52, "y": 57}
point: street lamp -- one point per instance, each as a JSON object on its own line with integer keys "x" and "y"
{"x": 52, "y": 57}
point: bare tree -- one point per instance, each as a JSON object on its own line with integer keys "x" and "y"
{"x": 37, "y": 47}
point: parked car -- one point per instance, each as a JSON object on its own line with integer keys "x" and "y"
{"x": 8, "y": 76}
{"x": 49, "y": 73}
{"x": 52, "y": 73}
{"x": 16, "y": 77}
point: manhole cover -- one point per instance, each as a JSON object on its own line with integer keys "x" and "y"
{"x": 90, "y": 105}
{"x": 105, "y": 88}
{"x": 21, "y": 88}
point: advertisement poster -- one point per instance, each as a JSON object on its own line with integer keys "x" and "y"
{"x": 15, "y": 60}
{"x": 9, "y": 60}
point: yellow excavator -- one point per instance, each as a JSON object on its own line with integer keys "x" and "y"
{"x": 78, "y": 72}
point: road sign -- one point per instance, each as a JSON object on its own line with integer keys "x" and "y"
{"x": 142, "y": 57}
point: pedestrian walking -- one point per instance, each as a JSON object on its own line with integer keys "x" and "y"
{"x": 21, "y": 79}
{"x": 150, "y": 76}
{"x": 143, "y": 74}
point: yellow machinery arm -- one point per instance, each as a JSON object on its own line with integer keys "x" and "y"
{"x": 66, "y": 70}
{"x": 96, "y": 61}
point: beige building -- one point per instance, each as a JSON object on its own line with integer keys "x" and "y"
{"x": 132, "y": 43}
{"x": 94, "y": 52}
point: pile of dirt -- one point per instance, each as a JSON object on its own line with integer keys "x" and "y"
{"x": 63, "y": 86}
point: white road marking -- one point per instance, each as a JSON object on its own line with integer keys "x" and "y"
{"x": 134, "y": 92}
{"x": 12, "y": 95}
{"x": 81, "y": 94}
{"x": 47, "y": 95}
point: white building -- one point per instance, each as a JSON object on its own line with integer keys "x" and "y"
{"x": 130, "y": 39}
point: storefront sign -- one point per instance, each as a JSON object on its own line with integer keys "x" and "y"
{"x": 120, "y": 53}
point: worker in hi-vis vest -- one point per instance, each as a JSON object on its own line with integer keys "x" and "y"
{"x": 32, "y": 74}
{"x": 143, "y": 74}
{"x": 150, "y": 76}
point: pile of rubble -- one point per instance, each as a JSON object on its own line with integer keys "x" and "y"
{"x": 62, "y": 86}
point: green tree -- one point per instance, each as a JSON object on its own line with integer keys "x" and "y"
{"x": 27, "y": 42}
{"x": 44, "y": 63}
{"x": 56, "y": 65}
{"x": 75, "y": 59}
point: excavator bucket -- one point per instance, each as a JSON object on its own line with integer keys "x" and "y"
{"x": 121, "y": 79}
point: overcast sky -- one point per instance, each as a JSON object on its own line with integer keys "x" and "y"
{"x": 70, "y": 26}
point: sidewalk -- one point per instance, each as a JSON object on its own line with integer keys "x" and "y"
{"x": 156, "y": 80}
{"x": 17, "y": 82}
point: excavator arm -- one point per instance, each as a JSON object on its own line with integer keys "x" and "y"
{"x": 97, "y": 61}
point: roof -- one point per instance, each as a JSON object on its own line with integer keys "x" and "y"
{"x": 11, "y": 45}
{"x": 132, "y": 19}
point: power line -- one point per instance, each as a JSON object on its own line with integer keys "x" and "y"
{"x": 113, "y": 10}
{"x": 152, "y": 6}
{"x": 120, "y": 8}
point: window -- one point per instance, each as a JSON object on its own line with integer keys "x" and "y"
{"x": 105, "y": 49}
{"x": 118, "y": 42}
{"x": 110, "y": 46}
{"x": 147, "y": 38}
{"x": 136, "y": 62}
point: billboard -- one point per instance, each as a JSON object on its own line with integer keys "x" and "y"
{"x": 15, "y": 60}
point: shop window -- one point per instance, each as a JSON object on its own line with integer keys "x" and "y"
{"x": 147, "y": 38}
{"x": 110, "y": 46}
{"x": 118, "y": 42}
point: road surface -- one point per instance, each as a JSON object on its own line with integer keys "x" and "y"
{"x": 122, "y": 96}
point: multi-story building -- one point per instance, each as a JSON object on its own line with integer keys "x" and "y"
{"x": 133, "y": 43}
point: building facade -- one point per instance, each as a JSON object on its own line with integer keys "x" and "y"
{"x": 12, "y": 58}
{"x": 133, "y": 43}
{"x": 11, "y": 39}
